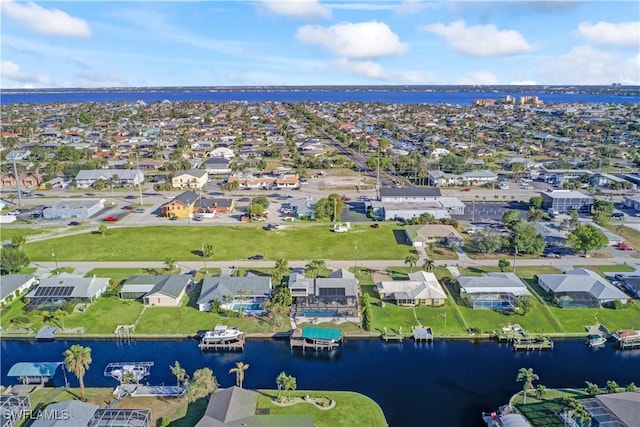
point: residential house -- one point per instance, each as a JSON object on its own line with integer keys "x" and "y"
{"x": 160, "y": 291}
{"x": 119, "y": 177}
{"x": 553, "y": 234}
{"x": 24, "y": 180}
{"x": 182, "y": 206}
{"x": 442, "y": 179}
{"x": 422, "y": 288}
{"x": 614, "y": 409}
{"x": 234, "y": 293}
{"x": 150, "y": 164}
{"x": 14, "y": 285}
{"x": 82, "y": 414}
{"x": 52, "y": 292}
{"x": 235, "y": 406}
{"x": 215, "y": 206}
{"x": 408, "y": 203}
{"x": 224, "y": 152}
{"x": 268, "y": 181}
{"x": 192, "y": 178}
{"x": 420, "y": 235}
{"x": 302, "y": 207}
{"x": 632, "y": 202}
{"x": 73, "y": 208}
{"x": 218, "y": 166}
{"x": 333, "y": 296}
{"x": 629, "y": 280}
{"x": 480, "y": 177}
{"x": 580, "y": 288}
{"x": 494, "y": 291}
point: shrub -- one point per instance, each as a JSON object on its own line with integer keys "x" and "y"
{"x": 616, "y": 305}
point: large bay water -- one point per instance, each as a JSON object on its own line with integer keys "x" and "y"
{"x": 254, "y": 96}
{"x": 447, "y": 383}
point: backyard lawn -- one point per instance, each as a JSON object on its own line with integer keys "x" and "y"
{"x": 183, "y": 243}
{"x": 351, "y": 409}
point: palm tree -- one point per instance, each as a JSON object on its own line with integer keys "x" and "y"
{"x": 428, "y": 264}
{"x": 528, "y": 376}
{"x": 541, "y": 391}
{"x": 77, "y": 360}
{"x": 315, "y": 265}
{"x": 411, "y": 260}
{"x": 290, "y": 384}
{"x": 239, "y": 371}
{"x": 592, "y": 388}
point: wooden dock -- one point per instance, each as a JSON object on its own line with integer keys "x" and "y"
{"x": 234, "y": 345}
{"x": 298, "y": 340}
{"x": 529, "y": 344}
{"x": 392, "y": 336}
{"x": 422, "y": 334}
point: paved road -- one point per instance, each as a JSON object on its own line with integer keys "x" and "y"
{"x": 464, "y": 261}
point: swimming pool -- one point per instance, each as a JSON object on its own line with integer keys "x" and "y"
{"x": 247, "y": 307}
{"x": 318, "y": 312}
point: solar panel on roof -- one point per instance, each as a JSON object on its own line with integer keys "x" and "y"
{"x": 53, "y": 291}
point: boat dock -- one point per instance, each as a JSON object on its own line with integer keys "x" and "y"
{"x": 46, "y": 333}
{"x": 627, "y": 339}
{"x": 236, "y": 344}
{"x": 317, "y": 339}
{"x": 392, "y": 335}
{"x": 422, "y": 334}
{"x": 598, "y": 329}
{"x": 532, "y": 343}
{"x": 509, "y": 333}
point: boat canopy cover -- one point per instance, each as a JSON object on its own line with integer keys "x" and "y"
{"x": 34, "y": 369}
{"x": 313, "y": 333}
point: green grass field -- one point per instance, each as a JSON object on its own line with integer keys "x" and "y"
{"x": 230, "y": 243}
{"x": 7, "y": 233}
{"x": 352, "y": 409}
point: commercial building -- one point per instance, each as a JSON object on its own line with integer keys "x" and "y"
{"x": 407, "y": 203}
{"x": 74, "y": 208}
{"x": 565, "y": 201}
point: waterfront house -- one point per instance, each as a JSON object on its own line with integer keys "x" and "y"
{"x": 422, "y": 288}
{"x": 235, "y": 406}
{"x": 182, "y": 206}
{"x": 495, "y": 291}
{"x": 333, "y": 296}
{"x": 14, "y": 285}
{"x": 73, "y": 208}
{"x": 13, "y": 407}
{"x": 580, "y": 288}
{"x": 614, "y": 409}
{"x": 192, "y": 178}
{"x": 82, "y": 414}
{"x": 52, "y": 292}
{"x": 160, "y": 291}
{"x": 235, "y": 293}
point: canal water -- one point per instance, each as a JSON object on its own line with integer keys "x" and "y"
{"x": 446, "y": 383}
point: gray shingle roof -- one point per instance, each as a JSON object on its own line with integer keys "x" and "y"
{"x": 170, "y": 285}
{"x": 217, "y": 287}
{"x": 83, "y": 287}
{"x": 410, "y": 192}
{"x": 79, "y": 414}
{"x": 10, "y": 283}
{"x": 582, "y": 280}
{"x": 493, "y": 282}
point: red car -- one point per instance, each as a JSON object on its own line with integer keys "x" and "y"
{"x": 110, "y": 218}
{"x": 466, "y": 189}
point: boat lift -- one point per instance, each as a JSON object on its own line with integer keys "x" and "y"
{"x": 118, "y": 370}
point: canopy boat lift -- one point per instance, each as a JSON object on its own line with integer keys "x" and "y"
{"x": 135, "y": 370}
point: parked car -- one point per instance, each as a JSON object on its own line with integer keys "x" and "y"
{"x": 376, "y": 225}
{"x": 553, "y": 255}
{"x": 271, "y": 227}
{"x": 138, "y": 210}
{"x": 127, "y": 207}
{"x": 110, "y": 218}
{"x": 74, "y": 223}
{"x": 198, "y": 217}
{"x": 173, "y": 218}
{"x": 256, "y": 257}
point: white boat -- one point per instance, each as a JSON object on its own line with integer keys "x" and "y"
{"x": 221, "y": 333}
{"x": 596, "y": 340}
{"x": 132, "y": 371}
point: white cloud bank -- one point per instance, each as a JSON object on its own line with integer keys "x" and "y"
{"x": 348, "y": 40}
{"x": 52, "y": 22}
{"x": 13, "y": 73}
{"x": 479, "y": 40}
{"x": 622, "y": 34}
{"x": 369, "y": 69}
{"x": 303, "y": 9}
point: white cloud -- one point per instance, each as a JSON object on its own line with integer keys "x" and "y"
{"x": 479, "y": 40}
{"x": 368, "y": 69}
{"x": 12, "y": 72}
{"x": 585, "y": 65}
{"x": 53, "y": 22}
{"x": 348, "y": 40}
{"x": 304, "y": 9}
{"x": 624, "y": 34}
{"x": 524, "y": 83}
{"x": 477, "y": 78}
{"x": 362, "y": 6}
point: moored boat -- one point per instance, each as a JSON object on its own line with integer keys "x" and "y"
{"x": 596, "y": 340}
{"x": 220, "y": 334}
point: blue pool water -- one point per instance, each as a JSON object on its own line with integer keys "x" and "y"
{"x": 247, "y": 306}
{"x": 313, "y": 312}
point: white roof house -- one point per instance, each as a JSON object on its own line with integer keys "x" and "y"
{"x": 494, "y": 291}
{"x": 570, "y": 285}
{"x": 422, "y": 288}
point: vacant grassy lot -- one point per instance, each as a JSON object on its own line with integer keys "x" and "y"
{"x": 230, "y": 243}
{"x": 7, "y": 233}
{"x": 352, "y": 409}
{"x": 630, "y": 235}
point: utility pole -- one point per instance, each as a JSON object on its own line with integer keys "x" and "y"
{"x": 53, "y": 254}
{"x": 140, "y": 182}
{"x": 356, "y": 251}
{"x": 17, "y": 177}
{"x": 204, "y": 257}
{"x": 515, "y": 253}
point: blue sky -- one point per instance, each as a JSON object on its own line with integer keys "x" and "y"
{"x": 317, "y": 42}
